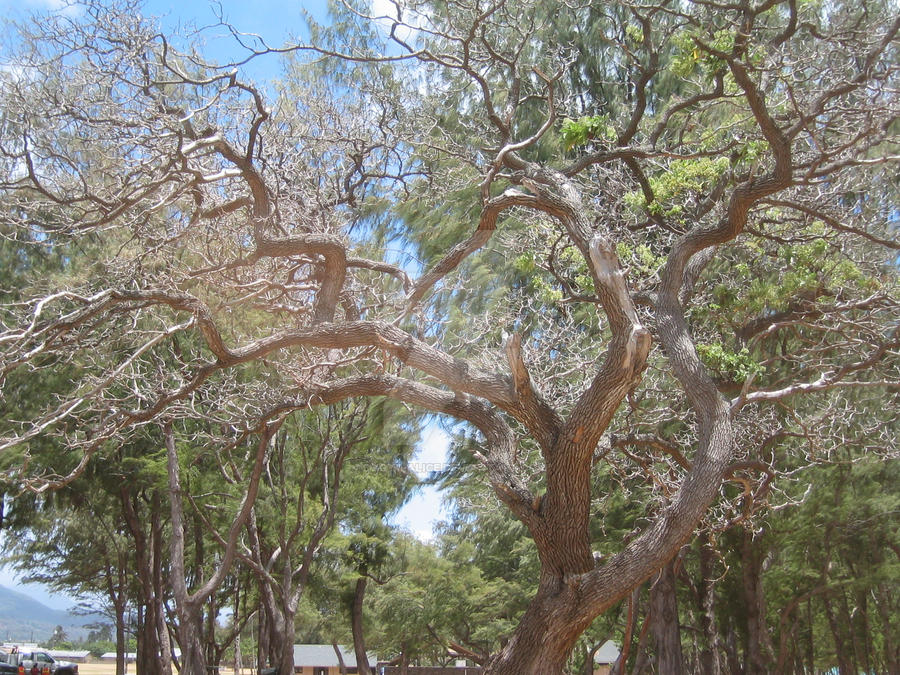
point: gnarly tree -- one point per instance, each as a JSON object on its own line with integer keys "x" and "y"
{"x": 268, "y": 233}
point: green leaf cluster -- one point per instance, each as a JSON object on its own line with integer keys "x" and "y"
{"x": 689, "y": 56}
{"x": 735, "y": 365}
{"x": 579, "y": 132}
{"x": 680, "y": 179}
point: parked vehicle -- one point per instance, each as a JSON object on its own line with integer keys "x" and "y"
{"x": 8, "y": 664}
{"x": 39, "y": 663}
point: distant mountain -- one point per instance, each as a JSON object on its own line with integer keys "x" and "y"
{"x": 23, "y": 619}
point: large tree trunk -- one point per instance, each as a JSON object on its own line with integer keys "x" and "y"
{"x": 666, "y": 630}
{"x": 572, "y": 591}
{"x": 546, "y": 633}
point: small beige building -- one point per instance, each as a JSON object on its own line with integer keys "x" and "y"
{"x": 605, "y": 657}
{"x": 322, "y": 660}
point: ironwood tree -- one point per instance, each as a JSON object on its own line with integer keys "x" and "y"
{"x": 435, "y": 207}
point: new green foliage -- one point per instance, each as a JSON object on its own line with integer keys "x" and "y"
{"x": 578, "y": 132}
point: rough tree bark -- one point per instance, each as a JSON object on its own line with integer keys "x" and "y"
{"x": 666, "y": 630}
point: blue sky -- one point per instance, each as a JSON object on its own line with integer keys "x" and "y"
{"x": 424, "y": 510}
{"x": 276, "y": 21}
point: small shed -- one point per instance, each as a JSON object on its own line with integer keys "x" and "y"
{"x": 322, "y": 660}
{"x": 605, "y": 657}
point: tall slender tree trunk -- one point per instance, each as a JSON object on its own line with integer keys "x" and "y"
{"x": 281, "y": 637}
{"x": 159, "y": 615}
{"x": 116, "y": 592}
{"x": 840, "y": 645}
{"x": 404, "y": 660}
{"x": 665, "y": 626}
{"x": 189, "y": 606}
{"x": 757, "y": 630}
{"x": 286, "y": 641}
{"x": 808, "y": 643}
{"x": 711, "y": 653}
{"x": 263, "y": 647}
{"x": 642, "y": 658}
{"x": 120, "y": 642}
{"x": 863, "y": 631}
{"x": 279, "y": 621}
{"x": 618, "y": 668}
{"x": 342, "y": 667}
{"x": 847, "y": 622}
{"x": 890, "y": 649}
{"x": 153, "y": 652}
{"x": 210, "y": 648}
{"x": 238, "y": 662}
{"x": 121, "y": 638}
{"x": 356, "y": 626}
{"x": 731, "y": 650}
{"x": 187, "y": 610}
